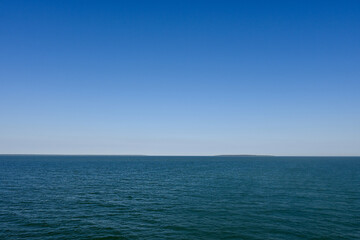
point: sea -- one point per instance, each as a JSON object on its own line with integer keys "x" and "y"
{"x": 167, "y": 197}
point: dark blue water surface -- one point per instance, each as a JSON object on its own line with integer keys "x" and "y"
{"x": 103, "y": 197}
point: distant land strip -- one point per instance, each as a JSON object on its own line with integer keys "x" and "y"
{"x": 244, "y": 155}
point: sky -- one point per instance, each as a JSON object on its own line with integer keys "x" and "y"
{"x": 180, "y": 77}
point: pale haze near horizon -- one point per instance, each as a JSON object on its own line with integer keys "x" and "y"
{"x": 180, "y": 78}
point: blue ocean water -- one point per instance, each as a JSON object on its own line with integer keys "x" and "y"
{"x": 112, "y": 197}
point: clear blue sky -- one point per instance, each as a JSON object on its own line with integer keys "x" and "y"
{"x": 180, "y": 77}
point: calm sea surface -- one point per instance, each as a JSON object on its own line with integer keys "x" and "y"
{"x": 103, "y": 197}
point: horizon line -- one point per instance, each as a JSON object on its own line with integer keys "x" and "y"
{"x": 170, "y": 155}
